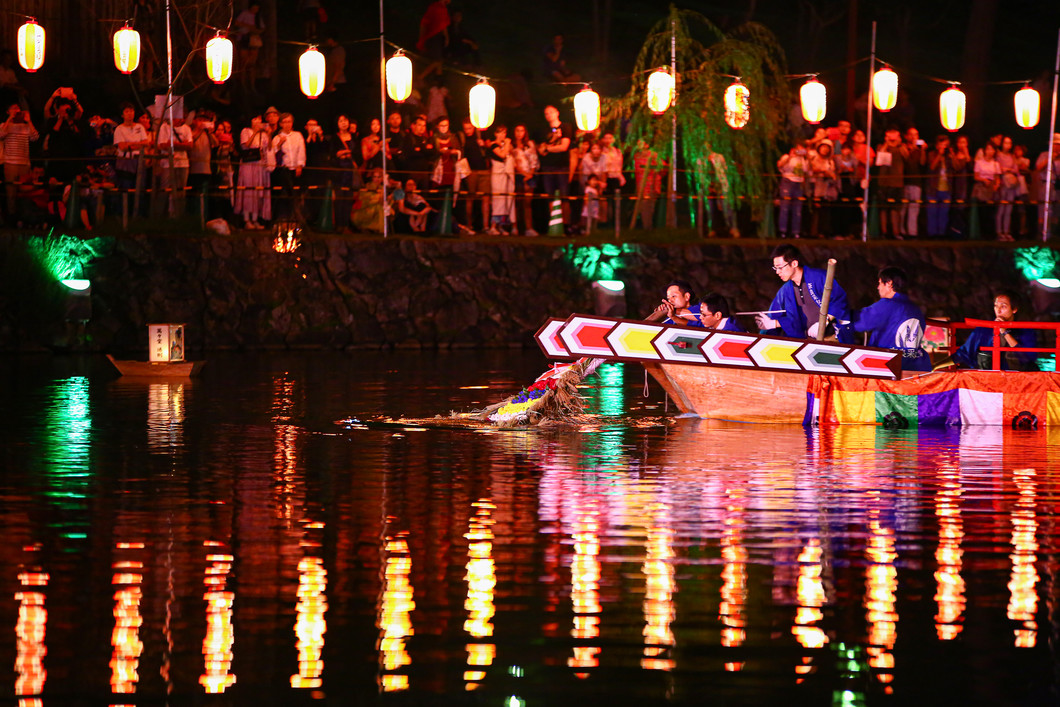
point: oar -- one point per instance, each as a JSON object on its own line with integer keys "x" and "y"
{"x": 829, "y": 276}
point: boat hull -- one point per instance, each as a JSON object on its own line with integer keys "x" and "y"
{"x": 940, "y": 399}
{"x": 147, "y": 369}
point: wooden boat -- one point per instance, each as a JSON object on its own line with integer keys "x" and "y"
{"x": 147, "y": 369}
{"x": 752, "y": 378}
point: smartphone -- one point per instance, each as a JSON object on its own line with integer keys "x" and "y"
{"x": 921, "y": 142}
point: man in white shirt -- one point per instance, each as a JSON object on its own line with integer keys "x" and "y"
{"x": 174, "y": 177}
{"x": 285, "y": 159}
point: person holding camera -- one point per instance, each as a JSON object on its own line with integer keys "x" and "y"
{"x": 16, "y": 133}
{"x": 793, "y": 167}
{"x": 940, "y": 175}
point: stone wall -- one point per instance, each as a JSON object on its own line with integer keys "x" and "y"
{"x": 340, "y": 292}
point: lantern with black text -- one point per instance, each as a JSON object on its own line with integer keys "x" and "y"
{"x": 884, "y": 89}
{"x": 1028, "y": 107}
{"x": 219, "y": 59}
{"x": 813, "y": 96}
{"x": 587, "y": 109}
{"x": 399, "y": 77}
{"x": 951, "y": 108}
{"x": 31, "y": 45}
{"x": 126, "y": 49}
{"x": 311, "y": 72}
{"x": 660, "y": 90}
{"x": 737, "y": 105}
{"x": 482, "y": 102}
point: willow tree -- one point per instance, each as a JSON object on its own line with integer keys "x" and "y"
{"x": 707, "y": 61}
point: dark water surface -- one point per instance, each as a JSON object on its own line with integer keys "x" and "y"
{"x": 222, "y": 541}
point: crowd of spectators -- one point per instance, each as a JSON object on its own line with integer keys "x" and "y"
{"x": 937, "y": 190}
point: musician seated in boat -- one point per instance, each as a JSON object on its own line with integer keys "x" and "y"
{"x": 970, "y": 355}
{"x": 894, "y": 322}
{"x": 799, "y": 298}
{"x": 714, "y": 313}
{"x": 680, "y": 306}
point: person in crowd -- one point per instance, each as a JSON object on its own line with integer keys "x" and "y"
{"x": 971, "y": 355}
{"x": 463, "y": 49}
{"x": 223, "y": 159}
{"x": 715, "y": 313}
{"x": 576, "y": 183}
{"x": 286, "y": 160}
{"x": 594, "y": 164}
{"x": 939, "y": 187}
{"x": 865, "y": 156}
{"x": 419, "y": 152}
{"x": 319, "y": 163}
{"x": 203, "y": 142}
{"x": 914, "y": 158}
{"x": 34, "y": 207}
{"x": 845, "y": 221}
{"x": 253, "y": 198}
{"x": 1053, "y": 195}
{"x": 825, "y": 188}
{"x": 553, "y": 150}
{"x": 174, "y": 141}
{"x": 502, "y": 182}
{"x": 800, "y": 298}
{"x": 16, "y": 133}
{"x": 615, "y": 178}
{"x": 1023, "y": 166}
{"x": 962, "y": 187}
{"x": 555, "y": 62}
{"x": 368, "y": 213}
{"x": 65, "y": 140}
{"x": 841, "y": 135}
{"x": 345, "y": 147}
{"x": 150, "y": 175}
{"x": 249, "y": 39}
{"x": 718, "y": 192}
{"x": 372, "y": 147}
{"x": 594, "y": 206}
{"x": 647, "y": 178}
{"x": 890, "y": 171}
{"x": 1007, "y": 190}
{"x": 415, "y": 207}
{"x": 473, "y": 148}
{"x": 396, "y": 140}
{"x": 679, "y": 307}
{"x": 987, "y": 182}
{"x": 445, "y": 145}
{"x": 526, "y": 165}
{"x": 437, "y": 100}
{"x": 335, "y": 83}
{"x": 894, "y": 322}
{"x": 11, "y": 91}
{"x": 434, "y": 35}
{"x": 794, "y": 168}
{"x": 272, "y": 121}
{"x": 131, "y": 139}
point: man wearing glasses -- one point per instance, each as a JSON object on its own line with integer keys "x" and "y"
{"x": 799, "y": 298}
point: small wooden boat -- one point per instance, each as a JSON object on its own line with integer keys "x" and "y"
{"x": 147, "y": 369}
{"x": 754, "y": 378}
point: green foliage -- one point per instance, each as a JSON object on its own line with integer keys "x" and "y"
{"x": 716, "y": 158}
{"x": 1038, "y": 262}
{"x": 598, "y": 263}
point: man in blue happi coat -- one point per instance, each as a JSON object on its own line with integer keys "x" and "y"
{"x": 1006, "y": 305}
{"x": 796, "y": 308}
{"x": 895, "y": 322}
{"x": 714, "y": 313}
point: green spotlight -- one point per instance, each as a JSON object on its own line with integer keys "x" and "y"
{"x": 77, "y": 284}
{"x": 1050, "y": 282}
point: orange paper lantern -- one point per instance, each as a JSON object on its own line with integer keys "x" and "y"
{"x": 219, "y": 59}
{"x": 482, "y": 102}
{"x": 399, "y": 77}
{"x": 126, "y": 49}
{"x": 884, "y": 89}
{"x": 951, "y": 108}
{"x": 312, "y": 70}
{"x": 660, "y": 91}
{"x": 813, "y": 97}
{"x": 31, "y": 45}
{"x": 1028, "y": 107}
{"x": 587, "y": 109}
{"x": 737, "y": 105}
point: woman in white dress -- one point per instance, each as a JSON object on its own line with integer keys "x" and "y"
{"x": 253, "y": 200}
{"x": 502, "y": 182}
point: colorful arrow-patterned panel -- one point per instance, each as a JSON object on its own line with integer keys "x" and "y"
{"x": 631, "y": 340}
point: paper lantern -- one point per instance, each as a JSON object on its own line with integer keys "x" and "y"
{"x": 126, "y": 49}
{"x": 737, "y": 105}
{"x": 311, "y": 72}
{"x": 482, "y": 101}
{"x": 884, "y": 89}
{"x": 31, "y": 45}
{"x": 587, "y": 109}
{"x": 399, "y": 77}
{"x": 1028, "y": 107}
{"x": 813, "y": 97}
{"x": 219, "y": 59}
{"x": 951, "y": 108}
{"x": 660, "y": 91}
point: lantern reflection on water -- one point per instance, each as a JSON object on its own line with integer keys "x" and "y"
{"x": 810, "y": 592}
{"x": 1023, "y": 597}
{"x": 481, "y": 578}
{"x": 731, "y": 609}
{"x": 29, "y": 637}
{"x": 660, "y": 586}
{"x": 881, "y": 585}
{"x": 220, "y": 635}
{"x": 310, "y": 625}
{"x": 949, "y": 585}
{"x": 395, "y": 609}
{"x": 125, "y": 638}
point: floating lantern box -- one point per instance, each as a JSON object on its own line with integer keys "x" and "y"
{"x": 165, "y": 342}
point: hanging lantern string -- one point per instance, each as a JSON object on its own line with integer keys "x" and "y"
{"x": 450, "y": 69}
{"x": 951, "y": 82}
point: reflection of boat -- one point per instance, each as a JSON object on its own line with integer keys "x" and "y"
{"x": 752, "y": 378}
{"x": 152, "y": 369}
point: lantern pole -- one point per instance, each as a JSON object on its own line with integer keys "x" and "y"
{"x": 1049, "y": 176}
{"x": 868, "y": 138}
{"x": 169, "y": 95}
{"x": 382, "y": 107}
{"x": 673, "y": 127}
